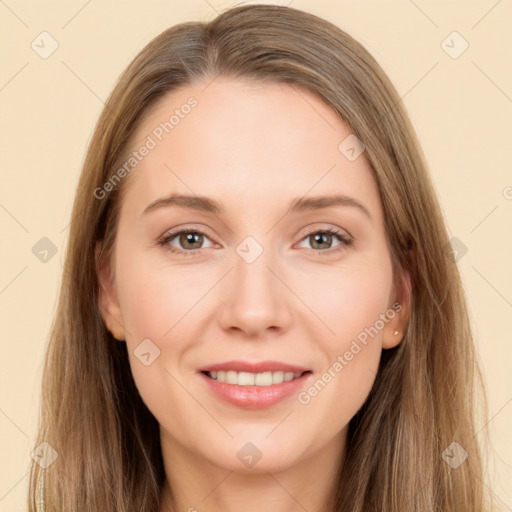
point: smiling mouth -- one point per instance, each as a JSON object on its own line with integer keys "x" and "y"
{"x": 253, "y": 379}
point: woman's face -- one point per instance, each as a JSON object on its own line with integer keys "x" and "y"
{"x": 268, "y": 273}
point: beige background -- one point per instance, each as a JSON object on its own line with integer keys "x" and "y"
{"x": 461, "y": 108}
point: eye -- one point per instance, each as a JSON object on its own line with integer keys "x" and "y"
{"x": 319, "y": 239}
{"x": 189, "y": 239}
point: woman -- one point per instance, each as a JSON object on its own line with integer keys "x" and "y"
{"x": 311, "y": 349}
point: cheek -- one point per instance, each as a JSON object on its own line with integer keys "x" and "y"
{"x": 352, "y": 303}
{"x": 347, "y": 299}
{"x": 155, "y": 298}
{"x": 152, "y": 301}
{"x": 155, "y": 303}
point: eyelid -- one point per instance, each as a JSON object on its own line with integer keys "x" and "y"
{"x": 323, "y": 229}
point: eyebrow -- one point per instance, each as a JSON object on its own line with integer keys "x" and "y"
{"x": 299, "y": 204}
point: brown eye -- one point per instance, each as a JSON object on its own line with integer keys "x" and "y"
{"x": 195, "y": 240}
{"x": 321, "y": 241}
{"x": 186, "y": 241}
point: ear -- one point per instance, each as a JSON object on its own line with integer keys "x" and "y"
{"x": 108, "y": 302}
{"x": 401, "y": 307}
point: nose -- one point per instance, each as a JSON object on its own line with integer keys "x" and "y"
{"x": 254, "y": 300}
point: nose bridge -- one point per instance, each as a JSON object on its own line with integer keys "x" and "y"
{"x": 253, "y": 280}
{"x": 256, "y": 301}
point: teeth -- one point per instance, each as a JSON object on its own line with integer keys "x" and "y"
{"x": 253, "y": 379}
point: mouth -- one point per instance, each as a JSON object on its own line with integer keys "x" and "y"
{"x": 262, "y": 379}
{"x": 255, "y": 390}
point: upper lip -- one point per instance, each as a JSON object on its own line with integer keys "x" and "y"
{"x": 259, "y": 367}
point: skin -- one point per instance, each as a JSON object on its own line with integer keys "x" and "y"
{"x": 253, "y": 148}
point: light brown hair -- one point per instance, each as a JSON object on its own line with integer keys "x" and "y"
{"x": 423, "y": 397}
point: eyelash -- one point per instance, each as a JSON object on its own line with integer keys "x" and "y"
{"x": 345, "y": 240}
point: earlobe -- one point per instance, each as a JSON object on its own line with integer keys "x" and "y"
{"x": 395, "y": 329}
{"x": 108, "y": 303}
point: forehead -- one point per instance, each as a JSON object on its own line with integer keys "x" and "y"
{"x": 249, "y": 145}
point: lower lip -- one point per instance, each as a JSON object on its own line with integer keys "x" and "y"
{"x": 255, "y": 397}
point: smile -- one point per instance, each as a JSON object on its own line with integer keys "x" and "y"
{"x": 253, "y": 379}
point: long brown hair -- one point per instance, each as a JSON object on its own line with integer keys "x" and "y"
{"x": 92, "y": 416}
